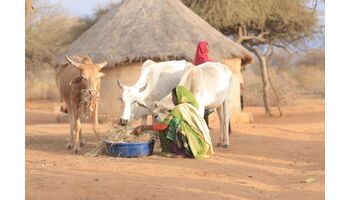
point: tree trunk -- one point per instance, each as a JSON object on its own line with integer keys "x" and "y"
{"x": 265, "y": 80}
{"x": 263, "y": 59}
{"x": 272, "y": 87}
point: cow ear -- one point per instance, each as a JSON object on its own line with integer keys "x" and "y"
{"x": 76, "y": 79}
{"x": 143, "y": 88}
{"x": 142, "y": 103}
{"x": 72, "y": 62}
{"x": 120, "y": 84}
{"x": 100, "y": 75}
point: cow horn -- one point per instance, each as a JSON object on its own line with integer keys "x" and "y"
{"x": 143, "y": 88}
{"x": 75, "y": 64}
{"x": 120, "y": 84}
{"x": 101, "y": 65}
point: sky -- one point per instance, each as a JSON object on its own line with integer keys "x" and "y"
{"x": 86, "y": 7}
{"x": 82, "y": 8}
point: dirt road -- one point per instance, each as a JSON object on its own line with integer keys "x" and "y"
{"x": 272, "y": 158}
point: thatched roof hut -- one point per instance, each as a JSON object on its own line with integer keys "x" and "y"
{"x": 160, "y": 30}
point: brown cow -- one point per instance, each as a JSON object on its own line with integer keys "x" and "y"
{"x": 79, "y": 84}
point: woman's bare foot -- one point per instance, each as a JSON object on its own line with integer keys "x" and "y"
{"x": 171, "y": 155}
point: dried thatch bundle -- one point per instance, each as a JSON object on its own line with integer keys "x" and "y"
{"x": 159, "y": 30}
{"x": 124, "y": 134}
{"x": 88, "y": 101}
{"x": 120, "y": 134}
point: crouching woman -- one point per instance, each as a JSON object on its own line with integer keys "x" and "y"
{"x": 184, "y": 131}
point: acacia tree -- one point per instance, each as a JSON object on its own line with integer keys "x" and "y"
{"x": 260, "y": 26}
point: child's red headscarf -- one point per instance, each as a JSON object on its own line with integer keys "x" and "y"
{"x": 202, "y": 53}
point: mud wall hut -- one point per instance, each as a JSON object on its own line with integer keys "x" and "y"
{"x": 160, "y": 30}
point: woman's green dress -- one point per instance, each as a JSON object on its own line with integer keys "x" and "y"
{"x": 187, "y": 128}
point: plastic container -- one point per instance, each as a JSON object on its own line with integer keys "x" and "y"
{"x": 129, "y": 149}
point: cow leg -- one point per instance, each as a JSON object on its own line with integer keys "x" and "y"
{"x": 77, "y": 129}
{"x": 71, "y": 139}
{"x": 219, "y": 110}
{"x": 82, "y": 143}
{"x": 75, "y": 123}
{"x": 226, "y": 123}
{"x": 144, "y": 120}
{"x": 95, "y": 122}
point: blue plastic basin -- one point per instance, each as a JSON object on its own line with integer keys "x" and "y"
{"x": 129, "y": 149}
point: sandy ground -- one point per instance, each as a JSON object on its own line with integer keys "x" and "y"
{"x": 269, "y": 159}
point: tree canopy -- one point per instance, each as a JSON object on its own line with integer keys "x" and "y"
{"x": 261, "y": 25}
{"x": 279, "y": 21}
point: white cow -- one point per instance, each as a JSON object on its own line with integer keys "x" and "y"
{"x": 155, "y": 82}
{"x": 210, "y": 83}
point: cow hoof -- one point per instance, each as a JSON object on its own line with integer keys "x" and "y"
{"x": 69, "y": 146}
{"x": 222, "y": 145}
{"x": 82, "y": 143}
{"x": 76, "y": 150}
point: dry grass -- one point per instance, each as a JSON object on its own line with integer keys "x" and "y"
{"x": 291, "y": 78}
{"x": 284, "y": 83}
{"x": 119, "y": 133}
{"x": 40, "y": 84}
{"x": 311, "y": 80}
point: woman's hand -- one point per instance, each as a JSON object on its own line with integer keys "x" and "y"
{"x": 138, "y": 130}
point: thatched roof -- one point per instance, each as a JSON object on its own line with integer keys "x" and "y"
{"x": 160, "y": 30}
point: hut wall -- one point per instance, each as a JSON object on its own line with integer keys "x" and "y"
{"x": 235, "y": 105}
{"x": 109, "y": 92}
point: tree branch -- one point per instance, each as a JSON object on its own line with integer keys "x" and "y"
{"x": 259, "y": 38}
{"x": 269, "y": 50}
{"x": 283, "y": 47}
{"x": 255, "y": 50}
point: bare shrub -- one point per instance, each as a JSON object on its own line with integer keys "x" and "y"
{"x": 48, "y": 33}
{"x": 292, "y": 76}
{"x": 284, "y": 83}
{"x": 41, "y": 84}
{"x": 311, "y": 80}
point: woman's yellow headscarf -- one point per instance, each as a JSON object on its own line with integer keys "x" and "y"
{"x": 185, "y": 96}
